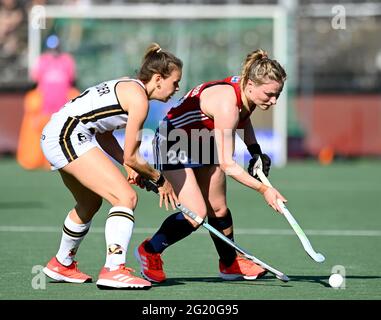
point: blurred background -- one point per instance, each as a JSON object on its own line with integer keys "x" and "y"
{"x": 330, "y": 109}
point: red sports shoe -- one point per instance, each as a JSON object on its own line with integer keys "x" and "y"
{"x": 151, "y": 265}
{"x": 59, "y": 272}
{"x": 121, "y": 278}
{"x": 241, "y": 269}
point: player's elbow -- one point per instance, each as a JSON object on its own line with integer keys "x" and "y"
{"x": 231, "y": 168}
{"x": 226, "y": 165}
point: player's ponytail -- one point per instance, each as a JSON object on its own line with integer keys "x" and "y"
{"x": 151, "y": 50}
{"x": 157, "y": 60}
{"x": 259, "y": 68}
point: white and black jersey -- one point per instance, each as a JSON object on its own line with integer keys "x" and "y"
{"x": 98, "y": 107}
{"x": 71, "y": 130}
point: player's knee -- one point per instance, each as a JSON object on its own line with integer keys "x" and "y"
{"x": 201, "y": 212}
{"x": 220, "y": 211}
{"x": 127, "y": 199}
{"x": 193, "y": 223}
{"x": 222, "y": 222}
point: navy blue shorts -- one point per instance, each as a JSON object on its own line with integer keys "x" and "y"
{"x": 177, "y": 149}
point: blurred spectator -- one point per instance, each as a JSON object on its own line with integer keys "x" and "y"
{"x": 12, "y": 16}
{"x": 54, "y": 74}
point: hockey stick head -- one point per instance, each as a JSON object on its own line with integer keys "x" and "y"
{"x": 282, "y": 277}
{"x": 318, "y": 257}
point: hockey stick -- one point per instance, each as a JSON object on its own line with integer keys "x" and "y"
{"x": 150, "y": 186}
{"x": 318, "y": 257}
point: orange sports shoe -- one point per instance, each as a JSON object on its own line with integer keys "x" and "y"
{"x": 241, "y": 268}
{"x": 71, "y": 273}
{"x": 151, "y": 265}
{"x": 121, "y": 278}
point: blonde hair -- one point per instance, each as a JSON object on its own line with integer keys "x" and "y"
{"x": 259, "y": 68}
{"x": 157, "y": 60}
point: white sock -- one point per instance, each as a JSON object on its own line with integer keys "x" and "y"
{"x": 72, "y": 235}
{"x": 118, "y": 231}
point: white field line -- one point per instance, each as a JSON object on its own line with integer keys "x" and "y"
{"x": 274, "y": 232}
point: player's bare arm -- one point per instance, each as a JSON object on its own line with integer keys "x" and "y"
{"x": 226, "y": 117}
{"x": 133, "y": 100}
{"x": 220, "y": 102}
{"x": 136, "y": 104}
{"x": 248, "y": 134}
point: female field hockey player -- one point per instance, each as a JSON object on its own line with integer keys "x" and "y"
{"x": 68, "y": 144}
{"x": 220, "y": 107}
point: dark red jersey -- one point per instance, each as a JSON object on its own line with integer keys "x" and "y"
{"x": 187, "y": 113}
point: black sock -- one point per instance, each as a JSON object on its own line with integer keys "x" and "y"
{"x": 173, "y": 229}
{"x": 226, "y": 252}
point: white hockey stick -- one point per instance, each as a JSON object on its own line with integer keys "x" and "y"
{"x": 150, "y": 186}
{"x": 318, "y": 257}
